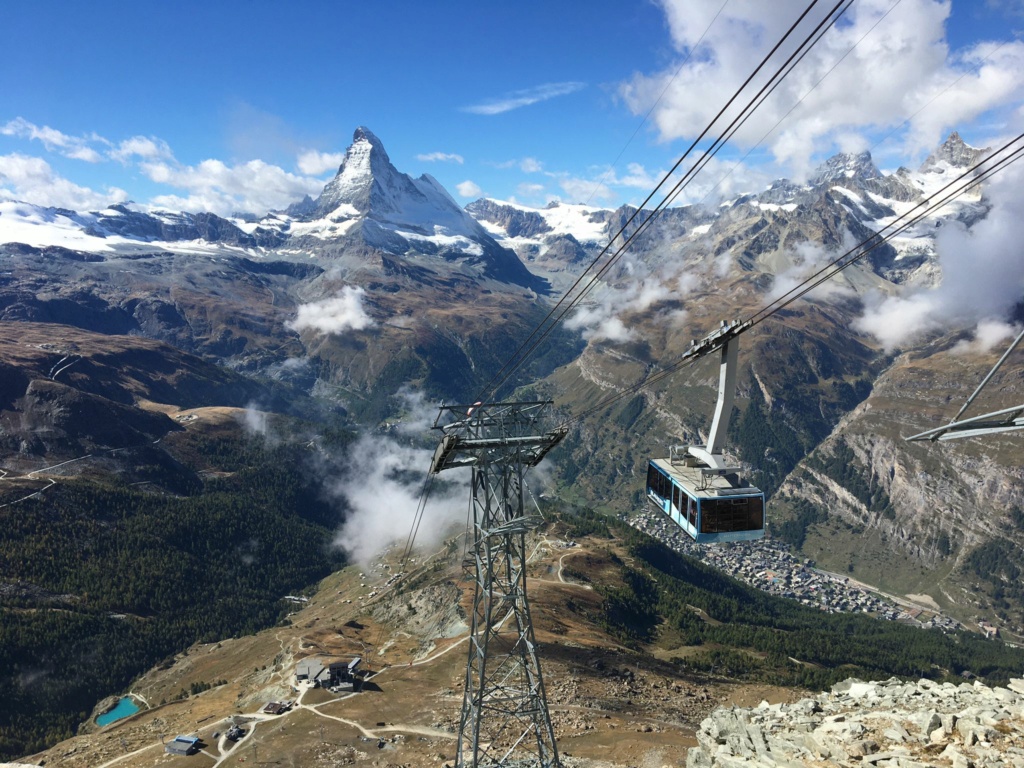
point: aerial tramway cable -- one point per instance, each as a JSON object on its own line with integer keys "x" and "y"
{"x": 730, "y": 130}
{"x": 965, "y": 180}
{"x": 657, "y": 101}
{"x": 950, "y": 191}
{"x": 810, "y": 90}
{"x": 541, "y": 332}
{"x": 564, "y": 304}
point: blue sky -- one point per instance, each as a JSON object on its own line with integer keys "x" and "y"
{"x": 229, "y": 105}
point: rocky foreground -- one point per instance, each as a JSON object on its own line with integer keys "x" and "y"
{"x": 891, "y": 724}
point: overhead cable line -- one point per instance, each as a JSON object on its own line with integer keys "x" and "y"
{"x": 417, "y": 518}
{"x": 809, "y": 91}
{"x": 729, "y": 132}
{"x": 900, "y": 224}
{"x": 953, "y": 189}
{"x": 889, "y": 135}
{"x": 565, "y": 304}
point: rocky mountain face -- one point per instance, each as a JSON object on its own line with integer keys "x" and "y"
{"x": 823, "y": 409}
{"x": 384, "y": 283}
{"x": 433, "y": 285}
{"x": 954, "y": 153}
{"x": 66, "y": 392}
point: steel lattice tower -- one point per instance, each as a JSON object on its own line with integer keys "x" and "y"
{"x": 505, "y": 719}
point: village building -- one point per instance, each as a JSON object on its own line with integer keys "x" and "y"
{"x": 182, "y": 745}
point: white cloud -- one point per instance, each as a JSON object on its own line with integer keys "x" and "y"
{"x": 987, "y": 335}
{"x": 524, "y": 98}
{"x": 384, "y": 500}
{"x": 257, "y": 422}
{"x": 468, "y": 189}
{"x": 806, "y": 259}
{"x": 214, "y": 186}
{"x": 642, "y": 289}
{"x": 76, "y": 147}
{"x": 898, "y": 68}
{"x": 418, "y": 415}
{"x": 314, "y": 163}
{"x": 530, "y": 165}
{"x": 441, "y": 157}
{"x": 982, "y": 274}
{"x": 337, "y": 315}
{"x": 32, "y": 180}
{"x": 530, "y": 190}
{"x": 146, "y": 147}
{"x": 584, "y": 190}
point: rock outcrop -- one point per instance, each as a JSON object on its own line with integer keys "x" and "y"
{"x": 890, "y": 724}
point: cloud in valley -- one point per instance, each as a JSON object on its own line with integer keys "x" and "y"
{"x": 336, "y": 315}
{"x": 382, "y": 486}
{"x": 601, "y": 316}
{"x": 982, "y": 276}
{"x": 987, "y": 336}
{"x": 806, "y": 259}
{"x": 901, "y": 68}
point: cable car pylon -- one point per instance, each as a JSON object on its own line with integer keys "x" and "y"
{"x": 505, "y": 719}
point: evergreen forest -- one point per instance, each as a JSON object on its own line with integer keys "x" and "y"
{"x": 103, "y": 581}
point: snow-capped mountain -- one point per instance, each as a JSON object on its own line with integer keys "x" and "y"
{"x": 127, "y": 227}
{"x": 371, "y": 203}
{"x": 846, "y": 200}
{"x": 368, "y": 205}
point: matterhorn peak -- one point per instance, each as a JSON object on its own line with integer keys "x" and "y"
{"x": 362, "y": 179}
{"x": 364, "y": 134}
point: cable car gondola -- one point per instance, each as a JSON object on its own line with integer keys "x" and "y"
{"x": 694, "y": 486}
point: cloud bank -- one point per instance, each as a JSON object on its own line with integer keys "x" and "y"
{"x": 31, "y": 179}
{"x": 383, "y": 481}
{"x": 211, "y": 185}
{"x": 982, "y": 276}
{"x": 901, "y": 67}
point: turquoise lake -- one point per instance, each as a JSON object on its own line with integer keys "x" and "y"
{"x": 125, "y": 707}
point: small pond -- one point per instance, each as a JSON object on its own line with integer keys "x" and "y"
{"x": 125, "y": 708}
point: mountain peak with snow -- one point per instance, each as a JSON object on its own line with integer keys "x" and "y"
{"x": 845, "y": 166}
{"x": 364, "y": 179}
{"x": 955, "y": 153}
{"x": 368, "y": 186}
{"x": 371, "y": 202}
